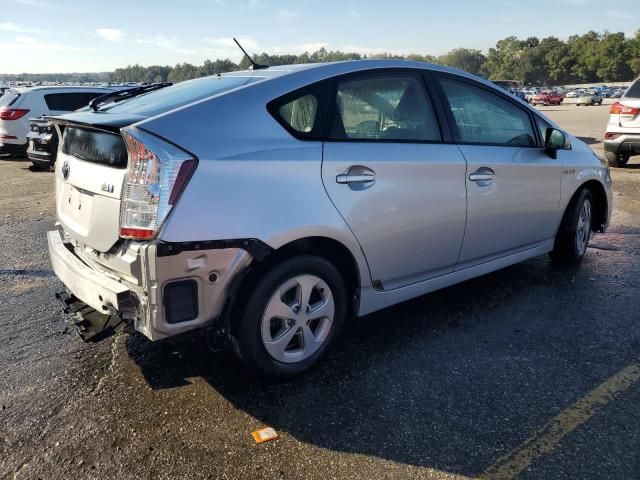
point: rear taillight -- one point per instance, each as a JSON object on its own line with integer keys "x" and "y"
{"x": 157, "y": 173}
{"x": 618, "y": 107}
{"x": 611, "y": 136}
{"x": 7, "y": 113}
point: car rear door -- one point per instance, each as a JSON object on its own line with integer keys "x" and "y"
{"x": 513, "y": 186}
{"x": 399, "y": 187}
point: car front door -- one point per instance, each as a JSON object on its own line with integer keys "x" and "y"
{"x": 513, "y": 186}
{"x": 385, "y": 167}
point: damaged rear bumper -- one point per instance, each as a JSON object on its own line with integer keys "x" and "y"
{"x": 161, "y": 294}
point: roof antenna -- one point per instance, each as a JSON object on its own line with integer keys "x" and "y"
{"x": 254, "y": 65}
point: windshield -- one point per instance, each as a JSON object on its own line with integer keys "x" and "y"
{"x": 8, "y": 98}
{"x": 183, "y": 93}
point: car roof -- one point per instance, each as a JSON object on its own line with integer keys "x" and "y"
{"x": 337, "y": 68}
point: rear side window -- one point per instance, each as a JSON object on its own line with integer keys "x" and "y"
{"x": 301, "y": 113}
{"x": 634, "y": 90}
{"x": 68, "y": 102}
{"x": 485, "y": 117}
{"x": 383, "y": 107}
{"x": 8, "y": 98}
{"x": 168, "y": 98}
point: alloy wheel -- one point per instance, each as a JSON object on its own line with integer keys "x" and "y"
{"x": 583, "y": 229}
{"x": 297, "y": 319}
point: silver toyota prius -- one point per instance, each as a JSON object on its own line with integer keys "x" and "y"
{"x": 267, "y": 207}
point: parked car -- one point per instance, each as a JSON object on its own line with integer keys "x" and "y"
{"x": 618, "y": 92}
{"x": 42, "y": 142}
{"x": 267, "y": 206}
{"x": 547, "y": 97}
{"x": 622, "y": 138}
{"x": 17, "y": 105}
{"x": 584, "y": 97}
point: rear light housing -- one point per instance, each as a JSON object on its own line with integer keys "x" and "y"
{"x": 157, "y": 173}
{"x": 619, "y": 108}
{"x": 7, "y": 113}
{"x": 611, "y": 136}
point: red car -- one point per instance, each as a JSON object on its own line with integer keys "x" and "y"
{"x": 547, "y": 98}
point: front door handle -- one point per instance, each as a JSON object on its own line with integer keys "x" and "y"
{"x": 355, "y": 178}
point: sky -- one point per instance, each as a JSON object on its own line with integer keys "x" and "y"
{"x": 45, "y": 36}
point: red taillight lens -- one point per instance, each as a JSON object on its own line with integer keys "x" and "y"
{"x": 157, "y": 173}
{"x": 624, "y": 109}
{"x": 7, "y": 113}
{"x": 611, "y": 136}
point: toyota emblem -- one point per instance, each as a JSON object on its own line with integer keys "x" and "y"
{"x": 65, "y": 170}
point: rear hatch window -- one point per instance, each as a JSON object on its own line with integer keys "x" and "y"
{"x": 163, "y": 100}
{"x": 94, "y": 146}
{"x": 9, "y": 98}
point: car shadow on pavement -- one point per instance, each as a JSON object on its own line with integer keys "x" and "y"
{"x": 450, "y": 381}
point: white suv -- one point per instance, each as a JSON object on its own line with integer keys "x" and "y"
{"x": 17, "y": 105}
{"x": 622, "y": 138}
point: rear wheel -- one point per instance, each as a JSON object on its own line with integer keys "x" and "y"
{"x": 292, "y": 316}
{"x": 616, "y": 159}
{"x": 573, "y": 236}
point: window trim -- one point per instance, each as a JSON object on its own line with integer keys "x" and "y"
{"x": 454, "y": 126}
{"x": 419, "y": 74}
{"x": 317, "y": 89}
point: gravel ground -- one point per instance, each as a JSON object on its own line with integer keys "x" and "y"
{"x": 440, "y": 387}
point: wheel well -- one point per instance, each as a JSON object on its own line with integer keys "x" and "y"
{"x": 327, "y": 248}
{"x": 601, "y": 207}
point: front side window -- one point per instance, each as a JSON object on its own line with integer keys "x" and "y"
{"x": 484, "y": 117}
{"x": 542, "y": 127}
{"x": 383, "y": 107}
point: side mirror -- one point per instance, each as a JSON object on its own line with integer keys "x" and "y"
{"x": 554, "y": 140}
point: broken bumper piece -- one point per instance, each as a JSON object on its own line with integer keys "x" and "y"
{"x": 91, "y": 325}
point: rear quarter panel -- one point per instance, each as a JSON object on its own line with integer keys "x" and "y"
{"x": 253, "y": 180}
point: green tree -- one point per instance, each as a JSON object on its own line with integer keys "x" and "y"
{"x": 469, "y": 60}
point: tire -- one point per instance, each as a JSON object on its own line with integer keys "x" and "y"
{"x": 280, "y": 348}
{"x": 39, "y": 165}
{"x": 573, "y": 235}
{"x": 615, "y": 159}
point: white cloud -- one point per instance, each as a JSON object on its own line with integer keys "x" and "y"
{"x": 24, "y": 43}
{"x": 166, "y": 43}
{"x": 617, "y": 14}
{"x": 110, "y": 34}
{"x": 15, "y": 28}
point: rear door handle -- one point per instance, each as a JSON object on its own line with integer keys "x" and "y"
{"x": 475, "y": 177}
{"x": 355, "y": 178}
{"x": 483, "y": 176}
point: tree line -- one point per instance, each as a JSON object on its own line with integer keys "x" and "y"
{"x": 589, "y": 58}
{"x": 592, "y": 57}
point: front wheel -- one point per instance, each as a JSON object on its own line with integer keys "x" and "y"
{"x": 573, "y": 235}
{"x": 293, "y": 315}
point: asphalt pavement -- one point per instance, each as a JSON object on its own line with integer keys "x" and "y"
{"x": 530, "y": 372}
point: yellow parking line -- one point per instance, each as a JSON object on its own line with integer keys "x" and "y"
{"x": 546, "y": 439}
